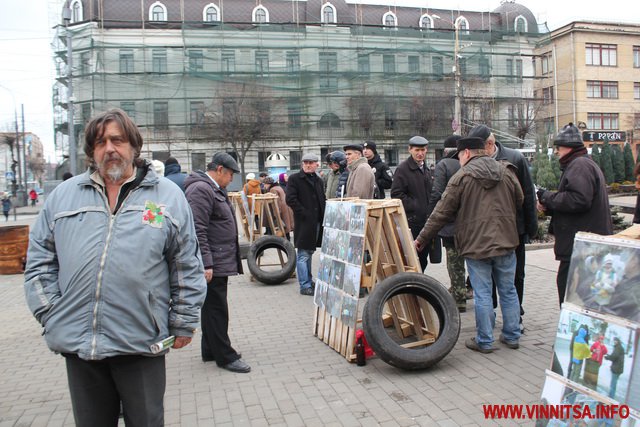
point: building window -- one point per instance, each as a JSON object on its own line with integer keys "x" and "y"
{"x": 262, "y": 157}
{"x": 293, "y": 62}
{"x": 636, "y": 120}
{"x": 602, "y": 54}
{"x": 636, "y": 57}
{"x": 328, "y": 62}
{"x": 389, "y": 20}
{"x": 263, "y": 114}
{"x": 262, "y": 62}
{"x": 485, "y": 69}
{"x": 76, "y": 11}
{"x": 510, "y": 70}
{"x": 295, "y": 159}
{"x": 211, "y": 13}
{"x": 260, "y": 15}
{"x": 390, "y": 116}
{"x": 426, "y": 22}
{"x": 85, "y": 62}
{"x": 513, "y": 118}
{"x": 328, "y": 14}
{"x": 636, "y": 90}
{"x": 437, "y": 68}
{"x": 129, "y": 107}
{"x": 520, "y": 24}
{"x": 462, "y": 25}
{"x": 602, "y": 121}
{"x": 157, "y": 12}
{"x": 388, "y": 65}
{"x": 126, "y": 61}
{"x": 159, "y": 61}
{"x": 545, "y": 61}
{"x": 391, "y": 157}
{"x": 196, "y": 61}
{"x": 600, "y": 89}
{"x": 294, "y": 113}
{"x": 196, "y": 113}
{"x": 161, "y": 115}
{"x": 363, "y": 64}
{"x": 329, "y": 120}
{"x": 462, "y": 63}
{"x": 229, "y": 112}
{"x": 547, "y": 95}
{"x": 519, "y": 72}
{"x": 414, "y": 64}
{"x": 228, "y": 60}
{"x": 198, "y": 161}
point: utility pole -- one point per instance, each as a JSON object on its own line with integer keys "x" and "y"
{"x": 457, "y": 106}
{"x": 73, "y": 156}
{"x": 24, "y": 159}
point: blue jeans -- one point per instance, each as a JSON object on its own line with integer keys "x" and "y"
{"x": 613, "y": 385}
{"x": 303, "y": 268}
{"x": 502, "y": 269}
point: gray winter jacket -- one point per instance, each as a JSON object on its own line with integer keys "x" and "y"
{"x": 105, "y": 284}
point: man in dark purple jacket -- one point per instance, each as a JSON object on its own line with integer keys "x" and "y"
{"x": 217, "y": 232}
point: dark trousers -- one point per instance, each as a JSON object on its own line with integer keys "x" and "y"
{"x": 98, "y": 387}
{"x": 561, "y": 280}
{"x": 519, "y": 279}
{"x": 424, "y": 255}
{"x": 216, "y": 344}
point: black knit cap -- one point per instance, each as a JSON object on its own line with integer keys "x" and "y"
{"x": 371, "y": 146}
{"x": 471, "y": 143}
{"x": 480, "y": 131}
{"x": 171, "y": 161}
{"x": 452, "y": 141}
{"x": 569, "y": 136}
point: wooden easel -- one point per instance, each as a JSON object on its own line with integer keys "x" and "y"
{"x": 389, "y": 242}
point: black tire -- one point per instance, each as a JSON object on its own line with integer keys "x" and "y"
{"x": 436, "y": 295}
{"x": 271, "y": 277}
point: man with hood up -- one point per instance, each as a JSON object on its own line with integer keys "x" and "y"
{"x": 483, "y": 197}
{"x": 173, "y": 172}
{"x": 382, "y": 173}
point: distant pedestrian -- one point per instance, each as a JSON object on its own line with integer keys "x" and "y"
{"x": 283, "y": 178}
{"x": 6, "y": 206}
{"x": 158, "y": 167}
{"x": 336, "y": 179}
{"x": 286, "y": 214}
{"x": 305, "y": 196}
{"x": 361, "y": 181}
{"x": 173, "y": 172}
{"x": 382, "y": 173}
{"x": 33, "y": 196}
{"x": 580, "y": 204}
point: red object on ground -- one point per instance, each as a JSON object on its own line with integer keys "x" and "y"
{"x": 368, "y": 351}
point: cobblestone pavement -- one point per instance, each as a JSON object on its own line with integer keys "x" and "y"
{"x": 297, "y": 380}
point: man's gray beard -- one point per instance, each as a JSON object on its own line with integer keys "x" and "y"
{"x": 115, "y": 173}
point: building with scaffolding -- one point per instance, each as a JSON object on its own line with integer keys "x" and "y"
{"x": 255, "y": 77}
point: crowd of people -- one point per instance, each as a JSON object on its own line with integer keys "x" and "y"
{"x": 136, "y": 258}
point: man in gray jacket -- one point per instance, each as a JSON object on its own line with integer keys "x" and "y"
{"x": 114, "y": 268}
{"x": 217, "y": 232}
{"x": 361, "y": 182}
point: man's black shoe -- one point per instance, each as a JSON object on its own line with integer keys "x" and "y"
{"x": 237, "y": 366}
{"x": 306, "y": 291}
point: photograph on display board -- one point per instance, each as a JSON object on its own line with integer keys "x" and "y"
{"x": 341, "y": 220}
{"x": 349, "y": 311}
{"x": 330, "y": 212}
{"x": 633, "y": 397}
{"x": 351, "y": 280}
{"x": 604, "y": 276}
{"x": 555, "y": 392}
{"x": 595, "y": 353}
{"x": 337, "y": 273}
{"x": 334, "y": 301}
{"x": 324, "y": 269}
{"x": 357, "y": 218}
{"x": 356, "y": 250}
{"x": 320, "y": 296}
{"x": 342, "y": 242}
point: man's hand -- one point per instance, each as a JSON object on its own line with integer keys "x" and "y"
{"x": 208, "y": 274}
{"x": 419, "y": 246}
{"x": 540, "y": 193}
{"x": 541, "y": 208}
{"x": 181, "y": 342}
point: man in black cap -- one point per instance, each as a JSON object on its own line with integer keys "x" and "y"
{"x": 527, "y": 216}
{"x": 487, "y": 242}
{"x": 217, "y": 232}
{"x": 445, "y": 169}
{"x": 580, "y": 204}
{"x": 305, "y": 196}
{"x": 361, "y": 181}
{"x": 384, "y": 176}
{"x": 412, "y": 184}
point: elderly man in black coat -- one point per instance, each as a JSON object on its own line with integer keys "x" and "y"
{"x": 412, "y": 184}
{"x": 527, "y": 217}
{"x": 580, "y": 204}
{"x": 305, "y": 196}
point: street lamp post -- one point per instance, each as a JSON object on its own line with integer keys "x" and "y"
{"x": 16, "y": 181}
{"x": 456, "y": 125}
{"x": 66, "y": 16}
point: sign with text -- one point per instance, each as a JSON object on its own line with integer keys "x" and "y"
{"x": 598, "y": 136}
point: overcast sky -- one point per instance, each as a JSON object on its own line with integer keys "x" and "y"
{"x": 26, "y": 68}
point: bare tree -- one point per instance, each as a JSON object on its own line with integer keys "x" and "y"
{"x": 365, "y": 111}
{"x": 428, "y": 112}
{"x": 526, "y": 111}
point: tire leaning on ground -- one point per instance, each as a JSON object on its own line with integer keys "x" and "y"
{"x": 431, "y": 291}
{"x": 271, "y": 277}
